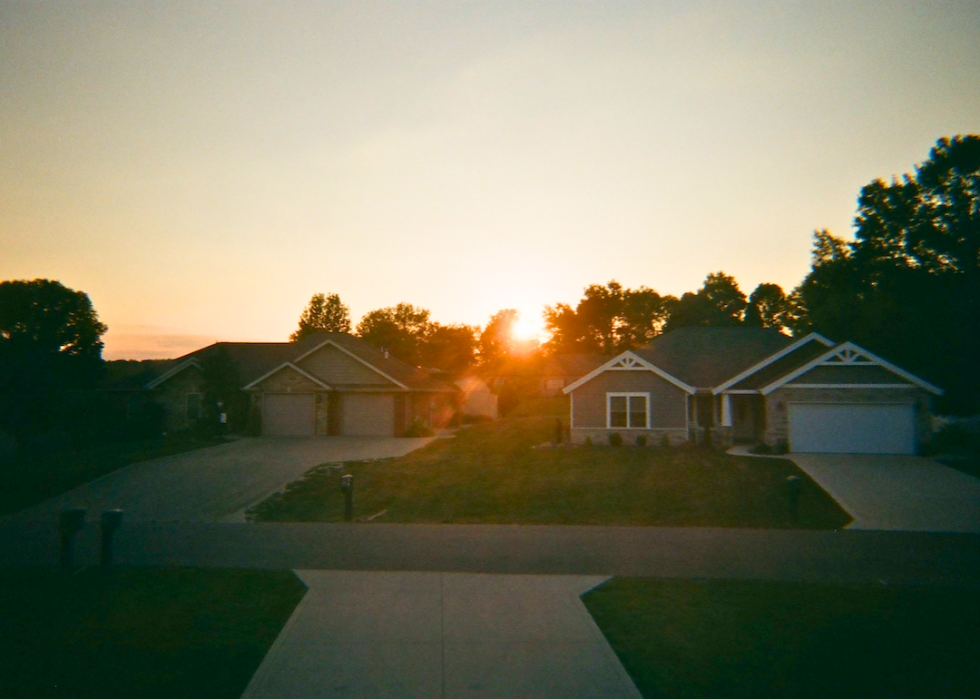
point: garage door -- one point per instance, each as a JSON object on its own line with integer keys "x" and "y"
{"x": 851, "y": 428}
{"x": 369, "y": 414}
{"x": 287, "y": 414}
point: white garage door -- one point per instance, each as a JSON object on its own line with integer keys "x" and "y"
{"x": 369, "y": 414}
{"x": 851, "y": 428}
{"x": 287, "y": 414}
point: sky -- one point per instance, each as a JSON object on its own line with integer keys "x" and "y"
{"x": 201, "y": 169}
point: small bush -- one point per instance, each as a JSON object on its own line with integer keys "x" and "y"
{"x": 761, "y": 449}
{"x": 418, "y": 429}
{"x": 781, "y": 447}
{"x": 587, "y": 443}
{"x": 615, "y": 439}
{"x": 665, "y": 441}
{"x": 474, "y": 419}
{"x": 641, "y": 440}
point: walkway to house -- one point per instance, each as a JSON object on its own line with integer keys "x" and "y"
{"x": 441, "y": 635}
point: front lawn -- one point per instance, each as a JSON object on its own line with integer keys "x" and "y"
{"x": 685, "y": 638}
{"x": 139, "y": 632}
{"x": 490, "y": 473}
{"x": 32, "y": 478}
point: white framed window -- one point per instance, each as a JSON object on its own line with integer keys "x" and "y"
{"x": 195, "y": 406}
{"x": 629, "y": 411}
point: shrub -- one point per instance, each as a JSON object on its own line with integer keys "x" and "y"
{"x": 641, "y": 440}
{"x": 665, "y": 441}
{"x": 761, "y": 449}
{"x": 615, "y": 439}
{"x": 781, "y": 447}
{"x": 587, "y": 443}
{"x": 474, "y": 419}
{"x": 418, "y": 429}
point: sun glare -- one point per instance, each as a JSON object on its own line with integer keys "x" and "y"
{"x": 528, "y": 327}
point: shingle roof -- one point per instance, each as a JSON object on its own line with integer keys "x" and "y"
{"x": 574, "y": 365}
{"x": 255, "y": 359}
{"x": 705, "y": 357}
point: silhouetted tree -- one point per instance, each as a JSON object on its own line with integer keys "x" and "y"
{"x": 50, "y": 343}
{"x": 451, "y": 348}
{"x": 908, "y": 285}
{"x": 401, "y": 329}
{"x": 497, "y": 338}
{"x": 719, "y": 301}
{"x": 768, "y": 307}
{"x": 324, "y": 313}
{"x": 607, "y": 319}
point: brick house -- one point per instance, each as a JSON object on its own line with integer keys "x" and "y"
{"x": 754, "y": 385}
{"x": 325, "y": 384}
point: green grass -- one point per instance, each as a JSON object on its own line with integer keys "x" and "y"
{"x": 31, "y": 478}
{"x": 684, "y": 639}
{"x": 139, "y": 632}
{"x": 489, "y": 473}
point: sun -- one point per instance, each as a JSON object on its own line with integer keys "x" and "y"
{"x": 527, "y": 327}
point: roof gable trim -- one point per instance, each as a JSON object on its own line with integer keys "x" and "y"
{"x": 849, "y": 354}
{"x": 352, "y": 356}
{"x": 287, "y": 365}
{"x": 167, "y": 375}
{"x": 789, "y": 349}
{"x": 627, "y": 361}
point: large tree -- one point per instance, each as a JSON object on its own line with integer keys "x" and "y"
{"x": 719, "y": 301}
{"x": 324, "y": 313}
{"x": 451, "y": 348}
{"x": 401, "y": 329}
{"x": 768, "y": 307}
{"x": 50, "y": 342}
{"x": 607, "y": 318}
{"x": 908, "y": 285}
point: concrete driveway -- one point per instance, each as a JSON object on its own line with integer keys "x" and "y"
{"x": 906, "y": 493}
{"x": 217, "y": 483}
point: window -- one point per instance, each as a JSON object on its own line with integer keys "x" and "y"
{"x": 627, "y": 410}
{"x": 194, "y": 406}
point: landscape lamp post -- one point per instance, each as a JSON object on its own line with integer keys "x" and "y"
{"x": 347, "y": 488}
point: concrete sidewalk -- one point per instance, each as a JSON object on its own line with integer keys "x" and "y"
{"x": 441, "y": 635}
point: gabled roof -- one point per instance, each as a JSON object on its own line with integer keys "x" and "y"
{"x": 629, "y": 361}
{"x": 775, "y": 365}
{"x": 706, "y": 357}
{"x": 282, "y": 367}
{"x": 255, "y": 360}
{"x": 849, "y": 354}
{"x": 573, "y": 365}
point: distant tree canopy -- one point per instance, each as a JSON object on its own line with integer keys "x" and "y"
{"x": 908, "y": 285}
{"x": 324, "y": 313}
{"x": 50, "y": 342}
{"x": 401, "y": 329}
{"x": 407, "y": 332}
{"x": 451, "y": 348}
{"x": 608, "y": 318}
{"x": 719, "y": 301}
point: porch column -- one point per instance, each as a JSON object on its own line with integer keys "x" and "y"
{"x": 726, "y": 410}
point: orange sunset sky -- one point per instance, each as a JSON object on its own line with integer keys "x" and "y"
{"x": 201, "y": 169}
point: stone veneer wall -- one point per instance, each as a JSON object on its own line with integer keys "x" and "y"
{"x": 777, "y": 413}
{"x": 676, "y": 436}
{"x": 172, "y": 395}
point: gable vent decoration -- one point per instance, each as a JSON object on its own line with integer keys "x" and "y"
{"x": 848, "y": 356}
{"x": 627, "y": 363}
